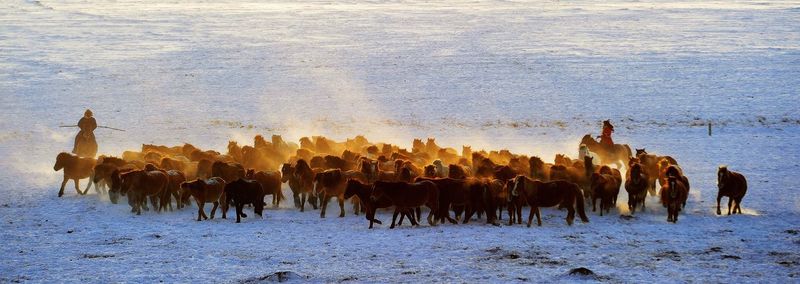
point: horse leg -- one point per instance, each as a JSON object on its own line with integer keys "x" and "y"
{"x": 341, "y": 205}
{"x": 323, "y": 205}
{"x": 570, "y": 215}
{"x": 214, "y": 209}
{"x": 519, "y": 214}
{"x": 730, "y": 203}
{"x": 89, "y": 185}
{"x": 77, "y": 186}
{"x": 302, "y": 202}
{"x": 394, "y": 217}
{"x": 538, "y": 217}
{"x": 530, "y": 216}
{"x": 239, "y": 212}
{"x": 296, "y": 199}
{"x": 63, "y": 183}
{"x": 419, "y": 214}
{"x": 153, "y": 199}
{"x": 431, "y": 219}
{"x": 200, "y": 211}
{"x": 738, "y": 205}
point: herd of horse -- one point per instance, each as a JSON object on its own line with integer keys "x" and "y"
{"x": 381, "y": 175}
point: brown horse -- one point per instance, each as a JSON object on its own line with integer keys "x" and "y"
{"x": 675, "y": 171}
{"x": 617, "y": 154}
{"x": 407, "y": 196}
{"x": 636, "y": 186}
{"x": 361, "y": 191}
{"x": 227, "y": 171}
{"x": 330, "y": 183}
{"x": 210, "y": 190}
{"x": 548, "y": 194}
{"x": 143, "y": 184}
{"x": 172, "y": 190}
{"x": 457, "y": 172}
{"x": 539, "y": 169}
{"x": 604, "y": 187}
{"x": 515, "y": 203}
{"x": 734, "y": 186}
{"x": 241, "y": 192}
{"x": 300, "y": 178}
{"x": 75, "y": 168}
{"x": 271, "y": 183}
{"x": 673, "y": 196}
{"x": 452, "y": 193}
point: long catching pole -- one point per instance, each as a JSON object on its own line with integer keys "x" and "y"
{"x": 101, "y": 126}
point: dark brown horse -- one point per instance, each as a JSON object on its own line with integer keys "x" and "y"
{"x": 143, "y": 184}
{"x": 734, "y": 186}
{"x": 515, "y": 203}
{"x": 673, "y": 196}
{"x": 203, "y": 191}
{"x": 357, "y": 189}
{"x": 606, "y": 188}
{"x": 452, "y": 193}
{"x": 636, "y": 186}
{"x": 548, "y": 194}
{"x": 75, "y": 168}
{"x": 407, "y": 196}
{"x": 300, "y": 178}
{"x": 241, "y": 192}
{"x": 617, "y": 154}
{"x": 330, "y": 183}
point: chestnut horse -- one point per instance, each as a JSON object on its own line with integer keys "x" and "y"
{"x": 271, "y": 183}
{"x": 618, "y": 154}
{"x": 548, "y": 194}
{"x": 636, "y": 186}
{"x": 210, "y": 190}
{"x": 172, "y": 191}
{"x": 75, "y": 168}
{"x": 734, "y": 186}
{"x": 407, "y": 196}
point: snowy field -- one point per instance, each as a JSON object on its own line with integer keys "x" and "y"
{"x": 530, "y": 77}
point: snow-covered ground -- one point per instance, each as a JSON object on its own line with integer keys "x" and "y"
{"x": 531, "y": 77}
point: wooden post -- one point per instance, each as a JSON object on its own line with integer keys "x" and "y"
{"x": 709, "y": 128}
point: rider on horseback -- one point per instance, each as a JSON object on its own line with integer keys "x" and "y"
{"x": 605, "y": 138}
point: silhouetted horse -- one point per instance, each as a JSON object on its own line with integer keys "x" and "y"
{"x": 548, "y": 194}
{"x": 407, "y": 196}
{"x": 734, "y": 186}
{"x": 452, "y": 193}
{"x": 75, "y": 168}
{"x": 241, "y": 192}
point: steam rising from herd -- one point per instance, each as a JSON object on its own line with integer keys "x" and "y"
{"x": 380, "y": 175}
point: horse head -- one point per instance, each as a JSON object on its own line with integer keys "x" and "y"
{"x": 62, "y": 160}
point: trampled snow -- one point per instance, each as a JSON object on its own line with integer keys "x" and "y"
{"x": 530, "y": 77}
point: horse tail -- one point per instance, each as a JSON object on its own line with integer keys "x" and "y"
{"x": 579, "y": 205}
